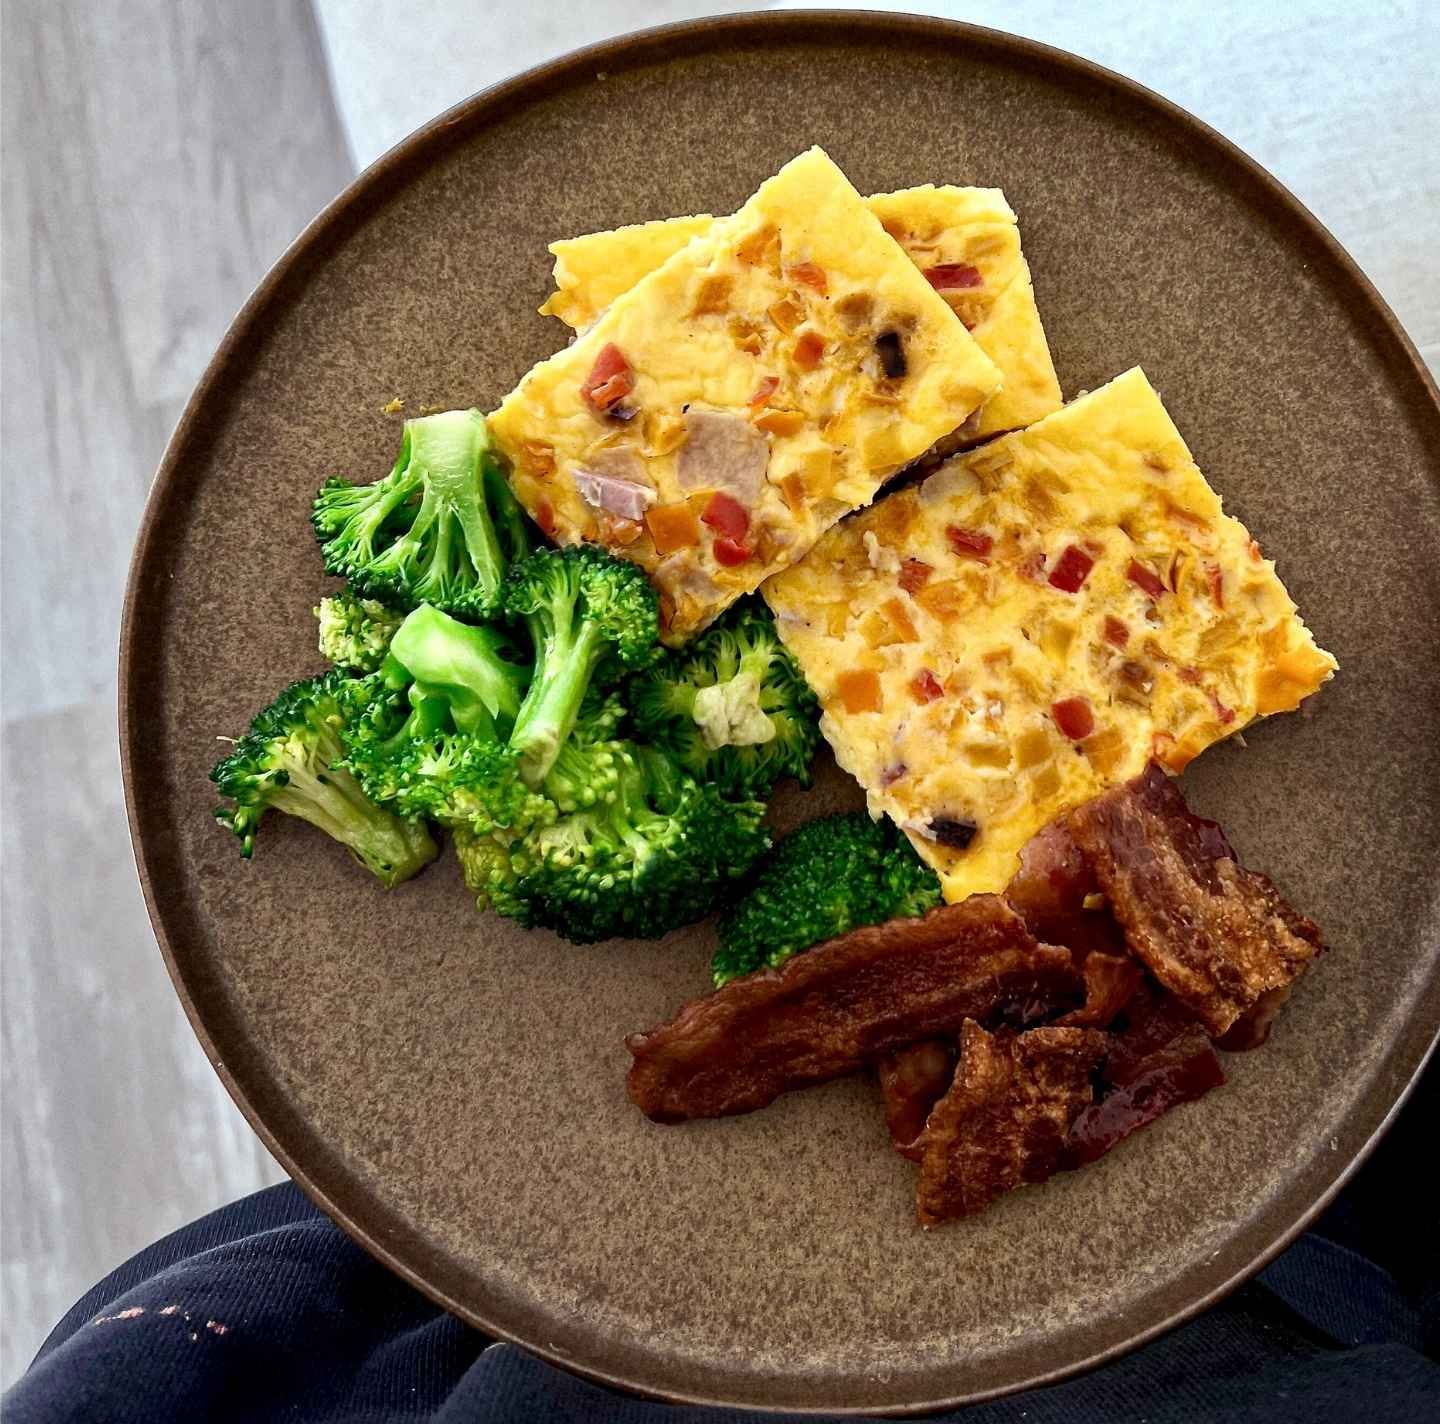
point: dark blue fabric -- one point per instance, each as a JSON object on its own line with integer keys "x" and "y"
{"x": 265, "y": 1311}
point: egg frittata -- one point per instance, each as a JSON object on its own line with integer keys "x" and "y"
{"x": 966, "y": 241}
{"x": 735, "y": 402}
{"x": 1033, "y": 623}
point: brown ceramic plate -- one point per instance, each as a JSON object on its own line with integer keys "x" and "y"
{"x": 451, "y": 1089}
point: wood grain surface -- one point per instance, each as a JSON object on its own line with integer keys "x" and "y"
{"x": 157, "y": 158}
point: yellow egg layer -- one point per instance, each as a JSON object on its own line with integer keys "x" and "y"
{"x": 1033, "y": 623}
{"x": 937, "y": 226}
{"x": 798, "y": 323}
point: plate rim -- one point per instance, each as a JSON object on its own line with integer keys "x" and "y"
{"x": 369, "y": 188}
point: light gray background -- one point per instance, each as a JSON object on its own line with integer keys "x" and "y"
{"x": 157, "y": 157}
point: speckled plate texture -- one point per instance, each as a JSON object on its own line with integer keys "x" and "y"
{"x": 451, "y": 1089}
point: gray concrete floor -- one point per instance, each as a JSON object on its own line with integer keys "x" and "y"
{"x": 157, "y": 156}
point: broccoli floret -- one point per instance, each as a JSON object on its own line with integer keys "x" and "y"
{"x": 489, "y": 875}
{"x": 586, "y": 610}
{"x": 732, "y": 708}
{"x": 438, "y": 529}
{"x": 289, "y": 760}
{"x": 431, "y": 741}
{"x": 824, "y": 879}
{"x": 355, "y": 632}
{"x": 652, "y": 852}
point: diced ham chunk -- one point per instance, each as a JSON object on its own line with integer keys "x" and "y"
{"x": 615, "y": 480}
{"x": 723, "y": 451}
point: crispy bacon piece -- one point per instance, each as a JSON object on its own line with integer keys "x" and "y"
{"x": 912, "y": 1081}
{"x": 1051, "y": 891}
{"x": 1161, "y": 1058}
{"x": 1219, "y": 937}
{"x": 1253, "y": 1027}
{"x": 1007, "y": 1116}
{"x": 1110, "y": 983}
{"x": 842, "y": 1005}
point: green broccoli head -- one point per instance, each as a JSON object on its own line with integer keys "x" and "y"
{"x": 431, "y": 739}
{"x": 290, "y": 761}
{"x": 489, "y": 875}
{"x": 590, "y": 616}
{"x": 355, "y": 633}
{"x": 438, "y": 529}
{"x": 732, "y": 708}
{"x": 655, "y": 851}
{"x": 824, "y": 879}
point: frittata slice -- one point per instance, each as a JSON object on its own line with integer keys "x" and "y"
{"x": 591, "y": 271}
{"x": 1033, "y": 623}
{"x": 733, "y": 404}
{"x": 966, "y": 241}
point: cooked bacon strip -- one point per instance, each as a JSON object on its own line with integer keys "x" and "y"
{"x": 1253, "y": 1027}
{"x": 1050, "y": 890}
{"x": 1219, "y": 937}
{"x": 1110, "y": 983}
{"x": 1006, "y": 1118}
{"x": 842, "y": 1005}
{"x": 912, "y": 1081}
{"x": 1160, "y": 1059}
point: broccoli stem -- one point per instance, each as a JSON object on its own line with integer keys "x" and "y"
{"x": 551, "y": 706}
{"x": 399, "y": 486}
{"x": 508, "y": 516}
{"x": 391, "y": 849}
{"x": 451, "y": 447}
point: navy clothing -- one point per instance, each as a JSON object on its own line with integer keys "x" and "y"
{"x": 264, "y": 1310}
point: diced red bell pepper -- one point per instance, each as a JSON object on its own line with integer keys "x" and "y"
{"x": 767, "y": 388}
{"x": 812, "y": 275}
{"x": 969, "y": 543}
{"x": 1074, "y": 718}
{"x": 809, "y": 348}
{"x": 925, "y": 686}
{"x": 545, "y": 518}
{"x": 913, "y": 573}
{"x": 731, "y": 552}
{"x": 727, "y": 515}
{"x": 611, "y": 379}
{"x": 1116, "y": 632}
{"x": 1072, "y": 569}
{"x": 952, "y": 276}
{"x": 1146, "y": 581}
